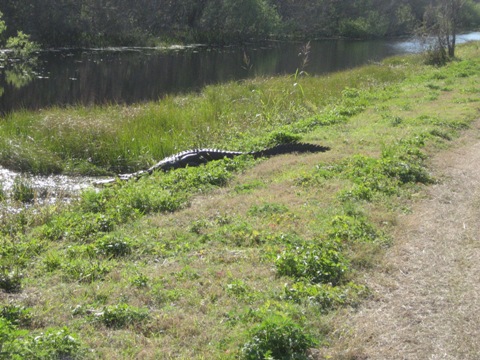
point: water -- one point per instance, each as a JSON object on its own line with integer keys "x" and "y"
{"x": 46, "y": 189}
{"x": 129, "y": 75}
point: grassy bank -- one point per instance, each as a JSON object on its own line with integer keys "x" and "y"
{"x": 238, "y": 258}
{"x": 121, "y": 139}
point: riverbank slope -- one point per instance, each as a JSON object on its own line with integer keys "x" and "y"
{"x": 241, "y": 257}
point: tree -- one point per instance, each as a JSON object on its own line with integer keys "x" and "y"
{"x": 236, "y": 21}
{"x": 442, "y": 21}
{"x": 19, "y": 72}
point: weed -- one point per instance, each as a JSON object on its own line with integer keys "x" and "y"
{"x": 140, "y": 281}
{"x": 267, "y": 209}
{"x": 249, "y": 187}
{"x": 16, "y": 315}
{"x": 351, "y": 229}
{"x": 399, "y": 165}
{"x": 239, "y": 233}
{"x": 10, "y": 280}
{"x": 187, "y": 273}
{"x": 22, "y": 190}
{"x": 326, "y": 296}
{"x": 281, "y": 137}
{"x": 51, "y": 344}
{"x": 320, "y": 262}
{"x": 52, "y": 261}
{"x": 84, "y": 270}
{"x": 441, "y": 134}
{"x": 277, "y": 337}
{"x": 122, "y": 315}
{"x": 112, "y": 246}
{"x": 77, "y": 227}
{"x": 239, "y": 289}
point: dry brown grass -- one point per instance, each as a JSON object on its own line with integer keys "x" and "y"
{"x": 425, "y": 302}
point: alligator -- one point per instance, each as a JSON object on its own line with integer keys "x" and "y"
{"x": 197, "y": 157}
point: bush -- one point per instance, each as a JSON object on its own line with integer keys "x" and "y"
{"x": 279, "y": 338}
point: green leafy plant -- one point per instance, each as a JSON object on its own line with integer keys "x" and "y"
{"x": 122, "y": 315}
{"x": 16, "y": 315}
{"x": 140, "y": 281}
{"x": 326, "y": 296}
{"x": 113, "y": 246}
{"x": 352, "y": 229}
{"x": 277, "y": 337}
{"x": 321, "y": 262}
{"x": 51, "y": 344}
{"x": 239, "y": 289}
{"x": 282, "y": 137}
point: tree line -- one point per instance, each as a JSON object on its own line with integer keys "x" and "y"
{"x": 138, "y": 22}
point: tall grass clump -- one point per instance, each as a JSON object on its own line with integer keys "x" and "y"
{"x": 22, "y": 190}
{"x": 123, "y": 139}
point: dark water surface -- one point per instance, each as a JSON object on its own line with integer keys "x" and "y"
{"x": 129, "y": 75}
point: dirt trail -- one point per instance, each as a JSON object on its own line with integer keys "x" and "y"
{"x": 427, "y": 304}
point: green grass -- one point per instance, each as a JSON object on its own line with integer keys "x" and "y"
{"x": 123, "y": 139}
{"x": 239, "y": 258}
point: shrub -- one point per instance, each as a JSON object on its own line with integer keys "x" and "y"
{"x": 277, "y": 337}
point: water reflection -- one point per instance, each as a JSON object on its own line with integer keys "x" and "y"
{"x": 133, "y": 75}
{"x": 45, "y": 189}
